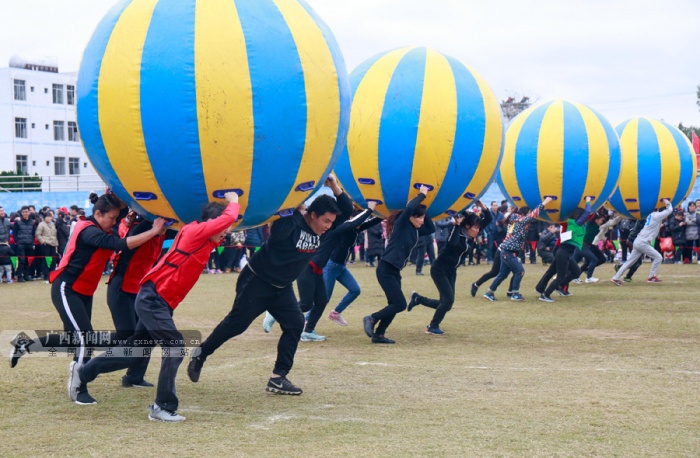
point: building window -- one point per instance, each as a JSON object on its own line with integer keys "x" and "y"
{"x": 70, "y": 94}
{"x": 73, "y": 131}
{"x": 20, "y": 90}
{"x": 58, "y": 131}
{"x": 21, "y": 127}
{"x": 21, "y": 162}
{"x": 58, "y": 93}
{"x": 74, "y": 166}
{"x": 59, "y": 165}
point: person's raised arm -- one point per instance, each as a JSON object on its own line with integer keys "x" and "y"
{"x": 412, "y": 205}
{"x": 136, "y": 241}
{"x": 586, "y": 212}
{"x": 486, "y": 216}
{"x": 216, "y": 225}
{"x": 536, "y": 211}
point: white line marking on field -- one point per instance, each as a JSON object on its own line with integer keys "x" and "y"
{"x": 272, "y": 419}
{"x": 582, "y": 369}
{"x": 366, "y": 363}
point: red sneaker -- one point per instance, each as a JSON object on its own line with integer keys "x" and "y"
{"x": 654, "y": 279}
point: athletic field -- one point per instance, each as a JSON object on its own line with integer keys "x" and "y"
{"x": 610, "y": 371}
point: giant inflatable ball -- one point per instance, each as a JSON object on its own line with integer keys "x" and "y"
{"x": 420, "y": 117}
{"x": 562, "y": 150}
{"x": 180, "y": 101}
{"x": 658, "y": 162}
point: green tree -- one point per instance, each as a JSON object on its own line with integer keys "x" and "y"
{"x": 18, "y": 182}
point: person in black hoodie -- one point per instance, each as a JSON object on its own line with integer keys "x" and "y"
{"x": 403, "y": 229}
{"x": 336, "y": 269}
{"x": 24, "y": 230}
{"x": 466, "y": 227}
{"x": 676, "y": 225}
{"x": 62, "y": 232}
{"x": 313, "y": 296}
{"x": 265, "y": 284}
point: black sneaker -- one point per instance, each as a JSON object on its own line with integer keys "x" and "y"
{"x": 282, "y": 385}
{"x": 83, "y": 398}
{"x": 194, "y": 368}
{"x": 380, "y": 339}
{"x": 475, "y": 288}
{"x": 415, "y": 298}
{"x": 140, "y": 384}
{"x": 368, "y": 323}
{"x": 21, "y": 342}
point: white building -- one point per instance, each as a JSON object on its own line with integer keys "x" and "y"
{"x": 38, "y": 127}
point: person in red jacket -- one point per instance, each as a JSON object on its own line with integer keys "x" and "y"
{"x": 75, "y": 280}
{"x": 162, "y": 289}
{"x": 130, "y": 266}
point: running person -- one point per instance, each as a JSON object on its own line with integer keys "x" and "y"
{"x": 518, "y": 223}
{"x": 643, "y": 245}
{"x": 596, "y": 257}
{"x": 336, "y": 270}
{"x": 75, "y": 280}
{"x": 313, "y": 295}
{"x": 265, "y": 283}
{"x": 465, "y": 228}
{"x": 564, "y": 265}
{"x": 403, "y": 230}
{"x": 130, "y": 266}
{"x": 162, "y": 290}
{"x": 493, "y": 273}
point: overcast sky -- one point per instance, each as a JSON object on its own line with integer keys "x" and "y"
{"x": 621, "y": 58}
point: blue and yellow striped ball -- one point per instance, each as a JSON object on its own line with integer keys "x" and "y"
{"x": 420, "y": 117}
{"x": 182, "y": 100}
{"x": 560, "y": 149}
{"x": 658, "y": 162}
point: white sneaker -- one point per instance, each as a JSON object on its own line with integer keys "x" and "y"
{"x": 73, "y": 380}
{"x": 578, "y": 281}
{"x": 591, "y": 280}
{"x": 158, "y": 414}
{"x": 268, "y": 322}
{"x": 312, "y": 337}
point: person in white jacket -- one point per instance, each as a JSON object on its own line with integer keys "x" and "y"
{"x": 643, "y": 245}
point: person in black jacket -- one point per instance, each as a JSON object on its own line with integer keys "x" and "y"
{"x": 265, "y": 284}
{"x": 62, "y": 231}
{"x": 374, "y": 237}
{"x": 336, "y": 269}
{"x": 24, "y": 230}
{"x": 313, "y": 296}
{"x": 465, "y": 228}
{"x": 676, "y": 225}
{"x": 547, "y": 243}
{"x": 403, "y": 229}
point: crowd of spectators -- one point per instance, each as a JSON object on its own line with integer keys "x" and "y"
{"x": 31, "y": 242}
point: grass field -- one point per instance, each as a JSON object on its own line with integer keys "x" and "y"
{"x": 610, "y": 371}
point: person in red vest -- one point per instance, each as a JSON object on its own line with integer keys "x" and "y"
{"x": 75, "y": 280}
{"x": 130, "y": 266}
{"x": 162, "y": 289}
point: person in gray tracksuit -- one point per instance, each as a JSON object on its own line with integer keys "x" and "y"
{"x": 643, "y": 245}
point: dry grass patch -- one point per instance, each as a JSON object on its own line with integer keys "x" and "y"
{"x": 607, "y": 372}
